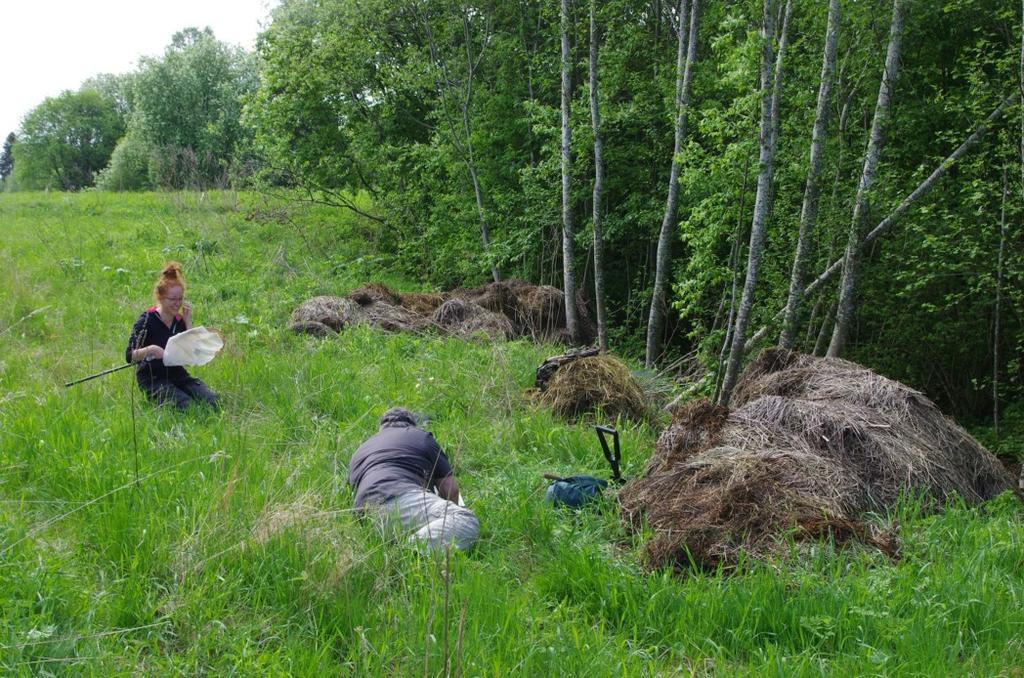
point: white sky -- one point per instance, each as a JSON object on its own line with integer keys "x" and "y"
{"x": 52, "y": 45}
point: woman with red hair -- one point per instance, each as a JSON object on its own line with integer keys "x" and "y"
{"x": 171, "y": 315}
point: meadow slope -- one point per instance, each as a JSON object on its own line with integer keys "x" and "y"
{"x": 142, "y": 541}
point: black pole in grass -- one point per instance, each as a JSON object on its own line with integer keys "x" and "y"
{"x": 135, "y": 438}
{"x": 98, "y": 374}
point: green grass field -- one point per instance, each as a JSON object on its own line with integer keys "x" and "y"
{"x": 143, "y": 541}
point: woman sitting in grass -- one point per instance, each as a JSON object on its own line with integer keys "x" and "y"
{"x": 171, "y": 315}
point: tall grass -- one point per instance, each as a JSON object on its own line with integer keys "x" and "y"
{"x": 237, "y": 552}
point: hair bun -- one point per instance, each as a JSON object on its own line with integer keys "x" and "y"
{"x": 172, "y": 270}
{"x": 170, "y": 276}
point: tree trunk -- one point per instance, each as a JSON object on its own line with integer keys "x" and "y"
{"x": 922, "y": 189}
{"x": 686, "y": 52}
{"x": 766, "y": 163}
{"x": 821, "y": 344}
{"x": 568, "y": 271}
{"x": 999, "y": 301}
{"x": 812, "y": 189}
{"x": 812, "y": 321}
{"x": 485, "y": 235}
{"x": 734, "y": 268}
{"x": 777, "y": 79}
{"x": 861, "y": 207}
{"x": 595, "y": 118}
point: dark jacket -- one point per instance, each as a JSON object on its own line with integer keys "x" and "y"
{"x": 398, "y": 459}
{"x": 149, "y": 330}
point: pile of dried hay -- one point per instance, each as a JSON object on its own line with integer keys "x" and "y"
{"x": 375, "y": 293}
{"x": 324, "y": 316}
{"x": 382, "y": 308}
{"x": 592, "y": 384}
{"x": 503, "y": 310}
{"x": 466, "y": 319}
{"x": 424, "y": 304}
{"x": 812, "y": 445}
{"x": 537, "y": 312}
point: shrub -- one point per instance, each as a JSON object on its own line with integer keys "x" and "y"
{"x": 129, "y": 166}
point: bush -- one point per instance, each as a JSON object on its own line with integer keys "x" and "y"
{"x": 129, "y": 166}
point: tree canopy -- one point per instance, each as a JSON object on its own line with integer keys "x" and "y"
{"x": 66, "y": 140}
{"x": 186, "y": 107}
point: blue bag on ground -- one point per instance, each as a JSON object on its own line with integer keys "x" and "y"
{"x": 575, "y": 491}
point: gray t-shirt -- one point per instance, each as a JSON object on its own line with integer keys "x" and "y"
{"x": 398, "y": 459}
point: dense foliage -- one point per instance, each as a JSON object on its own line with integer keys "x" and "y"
{"x": 186, "y": 107}
{"x": 66, "y": 140}
{"x": 398, "y": 98}
{"x": 175, "y": 123}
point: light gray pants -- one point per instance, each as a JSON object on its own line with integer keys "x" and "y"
{"x": 434, "y": 521}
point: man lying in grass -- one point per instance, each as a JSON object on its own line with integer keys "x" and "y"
{"x": 393, "y": 474}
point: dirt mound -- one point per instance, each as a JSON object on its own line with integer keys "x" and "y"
{"x": 812, "y": 445}
{"x": 595, "y": 383}
{"x": 508, "y": 309}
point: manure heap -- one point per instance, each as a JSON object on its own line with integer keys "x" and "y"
{"x": 510, "y": 309}
{"x": 810, "y": 446}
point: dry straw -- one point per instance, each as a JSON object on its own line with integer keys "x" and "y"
{"x": 496, "y": 311}
{"x": 593, "y": 384}
{"x": 812, "y": 445}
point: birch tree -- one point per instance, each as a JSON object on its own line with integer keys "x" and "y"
{"x": 734, "y": 273}
{"x": 459, "y": 95}
{"x": 1002, "y": 242}
{"x": 812, "y": 188}
{"x": 686, "y": 51}
{"x": 861, "y": 207}
{"x": 770, "y": 84}
{"x": 595, "y": 119}
{"x": 999, "y": 302}
{"x": 922, "y": 189}
{"x": 568, "y": 272}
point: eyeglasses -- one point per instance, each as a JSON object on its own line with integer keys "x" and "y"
{"x": 174, "y": 299}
